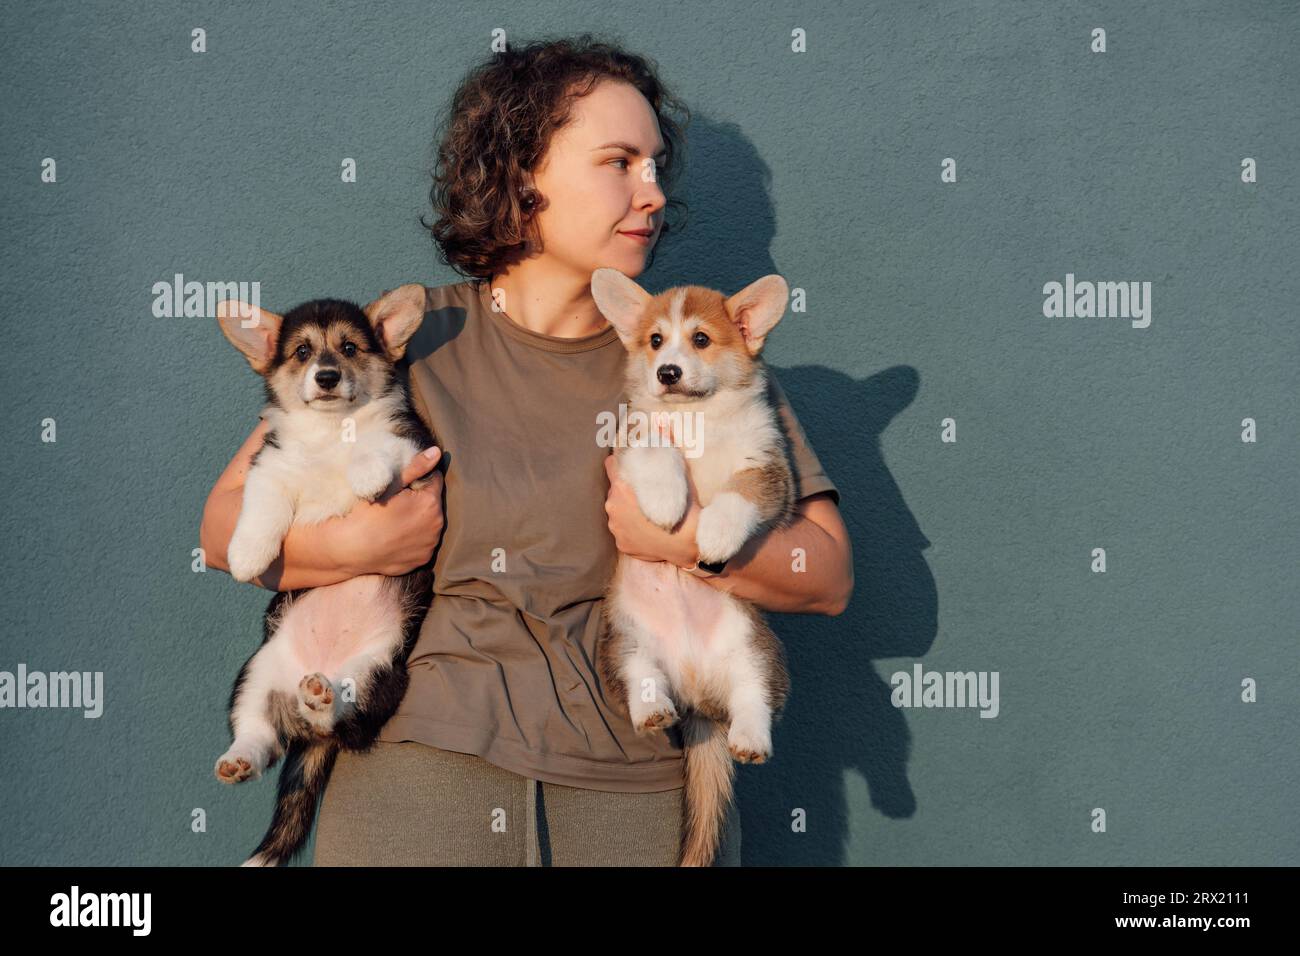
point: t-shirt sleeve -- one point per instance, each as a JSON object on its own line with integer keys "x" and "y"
{"x": 810, "y": 476}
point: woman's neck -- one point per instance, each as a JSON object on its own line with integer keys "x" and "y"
{"x": 547, "y": 300}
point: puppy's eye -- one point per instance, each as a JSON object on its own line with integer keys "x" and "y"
{"x": 303, "y": 352}
{"x": 656, "y": 340}
{"x": 700, "y": 340}
{"x": 349, "y": 349}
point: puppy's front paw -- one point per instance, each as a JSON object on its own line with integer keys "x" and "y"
{"x": 725, "y": 525}
{"x": 369, "y": 476}
{"x": 249, "y": 555}
{"x": 665, "y": 502}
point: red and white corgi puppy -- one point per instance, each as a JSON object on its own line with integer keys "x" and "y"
{"x": 675, "y": 647}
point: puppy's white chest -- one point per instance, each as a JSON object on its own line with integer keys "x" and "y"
{"x": 729, "y": 443}
{"x": 723, "y": 456}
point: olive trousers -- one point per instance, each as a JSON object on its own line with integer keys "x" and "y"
{"x": 409, "y": 804}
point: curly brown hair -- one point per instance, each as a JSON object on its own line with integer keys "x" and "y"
{"x": 499, "y": 125}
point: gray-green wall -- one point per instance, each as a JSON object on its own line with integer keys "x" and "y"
{"x": 1120, "y": 690}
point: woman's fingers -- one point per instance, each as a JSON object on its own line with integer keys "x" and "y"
{"x": 421, "y": 465}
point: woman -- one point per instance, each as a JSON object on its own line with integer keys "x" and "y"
{"x": 506, "y": 750}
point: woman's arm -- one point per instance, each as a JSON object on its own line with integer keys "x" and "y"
{"x": 390, "y": 536}
{"x": 765, "y": 570}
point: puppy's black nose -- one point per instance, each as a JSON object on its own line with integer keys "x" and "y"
{"x": 669, "y": 374}
{"x": 327, "y": 378}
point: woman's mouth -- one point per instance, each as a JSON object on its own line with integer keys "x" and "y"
{"x": 640, "y": 236}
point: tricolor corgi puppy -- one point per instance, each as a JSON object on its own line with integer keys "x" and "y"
{"x": 331, "y": 668}
{"x": 674, "y": 646}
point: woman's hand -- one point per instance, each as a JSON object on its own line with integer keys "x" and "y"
{"x": 636, "y": 535}
{"x": 398, "y": 532}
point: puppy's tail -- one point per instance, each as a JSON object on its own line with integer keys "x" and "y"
{"x": 307, "y": 766}
{"x": 709, "y": 773}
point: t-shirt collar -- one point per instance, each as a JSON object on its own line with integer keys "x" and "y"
{"x": 550, "y": 343}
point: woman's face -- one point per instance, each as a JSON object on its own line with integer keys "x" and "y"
{"x": 599, "y": 180}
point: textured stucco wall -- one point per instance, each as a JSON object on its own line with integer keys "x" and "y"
{"x": 1119, "y": 690}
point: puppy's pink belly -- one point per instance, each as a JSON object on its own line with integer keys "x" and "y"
{"x": 682, "y": 611}
{"x": 327, "y": 626}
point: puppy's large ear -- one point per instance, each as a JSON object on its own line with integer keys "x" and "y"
{"x": 252, "y": 330}
{"x": 396, "y": 316}
{"x": 620, "y": 300}
{"x": 757, "y": 308}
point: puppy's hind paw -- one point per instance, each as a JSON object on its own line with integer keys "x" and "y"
{"x": 747, "y": 756}
{"x": 316, "y": 691}
{"x": 661, "y": 718}
{"x": 235, "y": 768}
{"x": 316, "y": 703}
{"x": 748, "y": 747}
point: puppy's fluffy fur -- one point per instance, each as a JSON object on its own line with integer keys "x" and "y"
{"x": 675, "y": 647}
{"x": 331, "y": 668}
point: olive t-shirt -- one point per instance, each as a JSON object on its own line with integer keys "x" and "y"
{"x": 504, "y": 666}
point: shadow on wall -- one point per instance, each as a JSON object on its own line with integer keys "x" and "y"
{"x": 839, "y": 717}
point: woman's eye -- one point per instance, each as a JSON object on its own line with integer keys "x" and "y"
{"x": 623, "y": 160}
{"x": 656, "y": 340}
{"x": 349, "y": 349}
{"x": 700, "y": 340}
{"x": 302, "y": 352}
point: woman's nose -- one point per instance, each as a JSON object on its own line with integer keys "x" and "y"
{"x": 651, "y": 196}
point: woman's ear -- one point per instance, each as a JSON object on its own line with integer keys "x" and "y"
{"x": 252, "y": 330}
{"x": 620, "y": 300}
{"x": 757, "y": 308}
{"x": 531, "y": 202}
{"x": 396, "y": 315}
